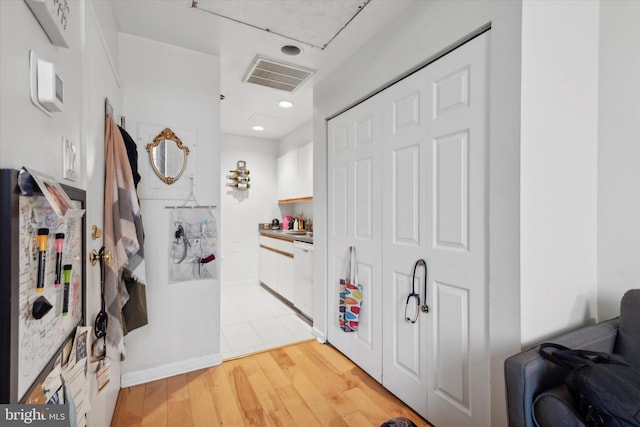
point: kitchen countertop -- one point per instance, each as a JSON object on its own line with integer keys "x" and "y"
{"x": 280, "y": 234}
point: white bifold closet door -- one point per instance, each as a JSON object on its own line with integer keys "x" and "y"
{"x": 407, "y": 172}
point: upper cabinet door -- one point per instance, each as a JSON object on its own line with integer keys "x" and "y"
{"x": 287, "y": 170}
{"x": 295, "y": 174}
{"x": 305, "y": 170}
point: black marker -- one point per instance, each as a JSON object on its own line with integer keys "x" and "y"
{"x": 59, "y": 243}
{"x": 67, "y": 278}
{"x": 43, "y": 235}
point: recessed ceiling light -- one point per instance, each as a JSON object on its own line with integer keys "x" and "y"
{"x": 291, "y": 50}
{"x": 285, "y": 104}
{"x": 258, "y": 128}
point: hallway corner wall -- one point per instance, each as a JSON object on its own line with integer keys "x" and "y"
{"x": 168, "y": 86}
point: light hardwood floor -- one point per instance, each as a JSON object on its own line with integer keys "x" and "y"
{"x": 305, "y": 384}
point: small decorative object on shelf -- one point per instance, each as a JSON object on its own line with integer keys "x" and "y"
{"x": 239, "y": 177}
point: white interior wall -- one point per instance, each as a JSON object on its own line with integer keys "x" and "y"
{"x": 241, "y": 211}
{"x": 559, "y": 166}
{"x": 423, "y": 30}
{"x": 25, "y": 128}
{"x": 167, "y": 86}
{"x": 618, "y": 154}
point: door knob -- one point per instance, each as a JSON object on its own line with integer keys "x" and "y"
{"x": 94, "y": 257}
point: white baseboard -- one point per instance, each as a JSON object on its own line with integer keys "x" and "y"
{"x": 151, "y": 374}
{"x": 320, "y": 336}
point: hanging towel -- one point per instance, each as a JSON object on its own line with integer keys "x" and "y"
{"x": 122, "y": 230}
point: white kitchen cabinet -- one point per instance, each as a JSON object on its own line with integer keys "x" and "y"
{"x": 295, "y": 173}
{"x": 287, "y": 170}
{"x": 268, "y": 264}
{"x": 276, "y": 265}
{"x": 305, "y": 171}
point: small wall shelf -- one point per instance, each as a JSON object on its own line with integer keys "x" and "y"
{"x": 296, "y": 200}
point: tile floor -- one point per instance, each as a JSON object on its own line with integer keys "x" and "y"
{"x": 253, "y": 320}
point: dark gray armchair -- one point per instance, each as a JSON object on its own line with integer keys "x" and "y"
{"x": 535, "y": 390}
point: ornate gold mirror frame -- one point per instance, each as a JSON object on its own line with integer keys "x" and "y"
{"x": 165, "y": 158}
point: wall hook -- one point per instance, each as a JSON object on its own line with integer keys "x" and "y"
{"x": 96, "y": 233}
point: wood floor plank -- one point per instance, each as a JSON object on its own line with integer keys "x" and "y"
{"x": 269, "y": 399}
{"x": 202, "y": 409}
{"x": 252, "y": 411}
{"x": 374, "y": 414}
{"x": 299, "y": 410}
{"x": 307, "y": 384}
{"x": 224, "y": 399}
{"x": 323, "y": 410}
{"x": 330, "y": 384}
{"x": 131, "y": 412}
{"x": 297, "y": 407}
{"x": 272, "y": 370}
{"x": 155, "y": 404}
{"x": 178, "y": 402}
{"x": 358, "y": 419}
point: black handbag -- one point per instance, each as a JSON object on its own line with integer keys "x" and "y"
{"x": 606, "y": 386}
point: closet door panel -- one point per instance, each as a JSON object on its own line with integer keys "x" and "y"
{"x": 451, "y": 191}
{"x": 406, "y": 336}
{"x": 339, "y": 139}
{"x": 363, "y": 189}
{"x": 459, "y": 365}
{"x": 355, "y": 157}
{"x": 405, "y": 172}
{"x": 451, "y": 92}
{"x": 364, "y": 131}
{"x": 452, "y": 352}
{"x": 406, "y": 195}
{"x": 339, "y": 208}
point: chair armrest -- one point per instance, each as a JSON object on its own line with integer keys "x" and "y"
{"x": 527, "y": 374}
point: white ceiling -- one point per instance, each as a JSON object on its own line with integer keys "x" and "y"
{"x": 327, "y": 31}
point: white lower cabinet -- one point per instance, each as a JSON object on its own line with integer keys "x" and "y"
{"x": 269, "y": 268}
{"x": 276, "y": 265}
{"x": 285, "y": 276}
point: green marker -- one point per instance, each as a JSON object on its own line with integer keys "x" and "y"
{"x": 66, "y": 271}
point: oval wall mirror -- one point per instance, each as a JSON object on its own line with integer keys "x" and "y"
{"x": 168, "y": 156}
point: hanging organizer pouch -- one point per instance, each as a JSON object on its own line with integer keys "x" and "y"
{"x": 350, "y": 296}
{"x": 193, "y": 245}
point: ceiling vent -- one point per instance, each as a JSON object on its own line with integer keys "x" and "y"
{"x": 278, "y": 75}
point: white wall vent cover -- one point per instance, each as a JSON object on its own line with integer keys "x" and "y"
{"x": 278, "y": 75}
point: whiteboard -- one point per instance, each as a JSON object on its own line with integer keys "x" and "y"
{"x": 40, "y": 339}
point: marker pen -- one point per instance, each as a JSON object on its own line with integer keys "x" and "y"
{"x": 59, "y": 243}
{"x": 43, "y": 234}
{"x": 67, "y": 278}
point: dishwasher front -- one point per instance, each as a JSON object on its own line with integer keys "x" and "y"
{"x": 303, "y": 276}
